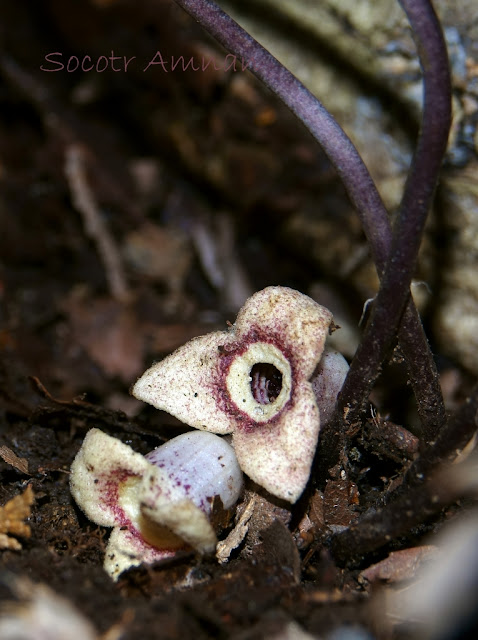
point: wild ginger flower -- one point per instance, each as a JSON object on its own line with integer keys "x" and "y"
{"x": 252, "y": 381}
{"x": 157, "y": 503}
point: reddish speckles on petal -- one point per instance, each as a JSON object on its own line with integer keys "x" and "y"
{"x": 153, "y": 512}
{"x": 252, "y": 381}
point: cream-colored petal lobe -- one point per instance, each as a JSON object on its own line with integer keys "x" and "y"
{"x": 100, "y": 466}
{"x": 184, "y": 519}
{"x": 279, "y": 456}
{"x": 295, "y": 320}
{"x": 127, "y": 549}
{"x": 183, "y": 384}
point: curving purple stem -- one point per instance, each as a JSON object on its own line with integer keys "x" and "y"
{"x": 333, "y": 140}
{"x": 394, "y": 292}
{"x": 361, "y": 190}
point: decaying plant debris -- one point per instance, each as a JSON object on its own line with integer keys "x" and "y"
{"x": 140, "y": 208}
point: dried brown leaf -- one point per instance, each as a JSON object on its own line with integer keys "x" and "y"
{"x": 109, "y": 332}
{"x": 399, "y": 565}
{"x": 160, "y": 254}
{"x": 21, "y": 464}
{"x": 9, "y": 543}
{"x": 12, "y": 515}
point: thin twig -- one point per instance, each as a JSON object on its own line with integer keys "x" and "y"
{"x": 85, "y": 203}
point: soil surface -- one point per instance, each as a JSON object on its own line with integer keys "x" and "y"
{"x": 140, "y": 207}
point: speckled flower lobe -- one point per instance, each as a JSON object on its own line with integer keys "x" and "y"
{"x": 252, "y": 381}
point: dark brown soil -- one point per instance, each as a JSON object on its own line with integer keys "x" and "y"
{"x": 84, "y": 313}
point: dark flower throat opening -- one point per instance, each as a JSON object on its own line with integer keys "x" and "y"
{"x": 266, "y": 383}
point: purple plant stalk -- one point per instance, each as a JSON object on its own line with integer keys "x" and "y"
{"x": 394, "y": 292}
{"x": 363, "y": 193}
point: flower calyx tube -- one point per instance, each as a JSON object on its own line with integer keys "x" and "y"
{"x": 159, "y": 503}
